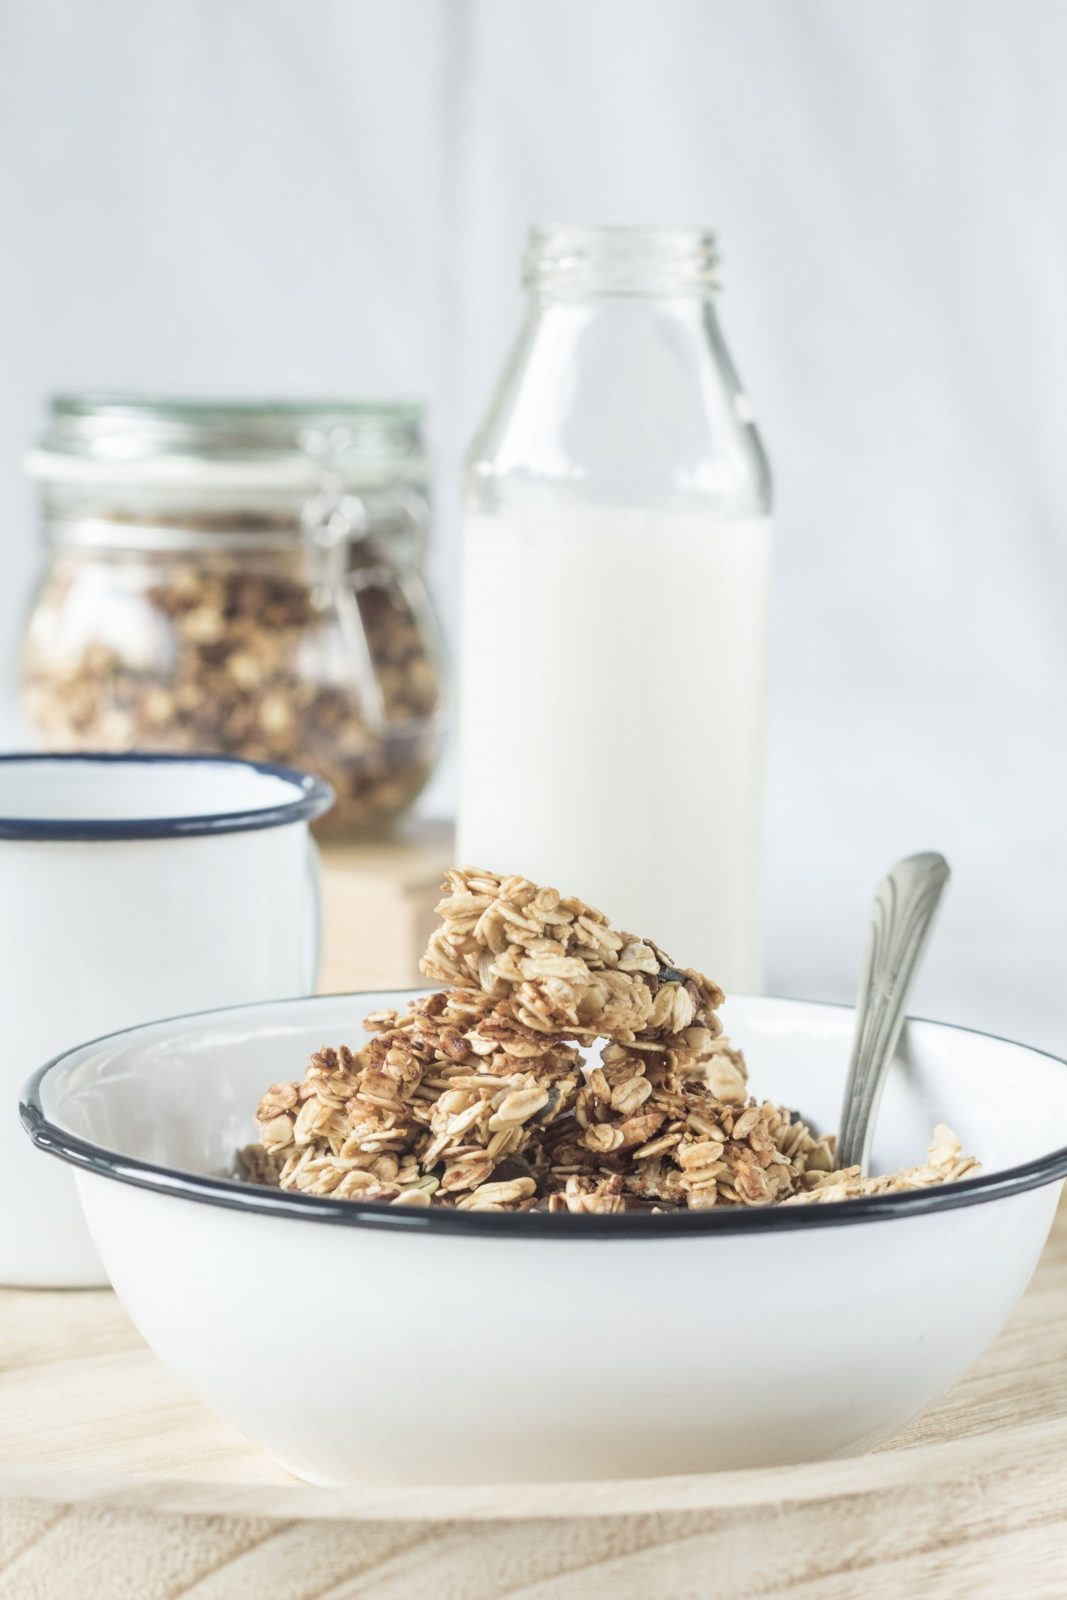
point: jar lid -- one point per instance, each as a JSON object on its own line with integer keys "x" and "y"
{"x": 236, "y": 444}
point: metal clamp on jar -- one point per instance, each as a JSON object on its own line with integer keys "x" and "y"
{"x": 243, "y": 578}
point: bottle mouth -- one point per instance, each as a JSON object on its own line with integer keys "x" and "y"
{"x": 569, "y": 258}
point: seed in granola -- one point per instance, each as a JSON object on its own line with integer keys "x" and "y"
{"x": 518, "y": 1106}
{"x": 628, "y": 1097}
{"x": 498, "y": 1194}
{"x": 699, "y": 1155}
{"x": 279, "y": 1098}
{"x": 467, "y": 1173}
{"x": 602, "y": 1137}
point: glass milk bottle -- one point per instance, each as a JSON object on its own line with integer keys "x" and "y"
{"x": 617, "y": 557}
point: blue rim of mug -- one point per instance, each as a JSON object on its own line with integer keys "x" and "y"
{"x": 311, "y": 798}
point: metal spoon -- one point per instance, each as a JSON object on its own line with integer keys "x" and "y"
{"x": 901, "y": 915}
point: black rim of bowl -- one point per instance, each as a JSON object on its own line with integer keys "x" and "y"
{"x": 312, "y": 797}
{"x": 236, "y": 1195}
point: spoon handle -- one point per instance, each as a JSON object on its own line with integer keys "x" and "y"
{"x": 901, "y": 916}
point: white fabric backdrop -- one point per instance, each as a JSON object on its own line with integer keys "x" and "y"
{"x": 331, "y": 195}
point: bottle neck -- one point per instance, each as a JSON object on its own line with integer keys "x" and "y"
{"x": 619, "y": 390}
{"x": 567, "y": 262}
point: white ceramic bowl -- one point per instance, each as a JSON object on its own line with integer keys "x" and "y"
{"x": 368, "y": 1344}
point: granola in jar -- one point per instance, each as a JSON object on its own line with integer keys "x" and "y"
{"x": 263, "y": 599}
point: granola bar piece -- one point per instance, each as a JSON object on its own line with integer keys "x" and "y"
{"x": 561, "y": 966}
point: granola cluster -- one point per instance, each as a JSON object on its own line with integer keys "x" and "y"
{"x": 562, "y": 967}
{"x": 485, "y": 1096}
{"x": 457, "y": 1102}
{"x": 945, "y": 1163}
{"x": 161, "y": 653}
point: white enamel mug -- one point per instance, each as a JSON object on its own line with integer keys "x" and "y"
{"x": 134, "y": 887}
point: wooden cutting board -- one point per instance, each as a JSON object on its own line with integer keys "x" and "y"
{"x": 118, "y": 1486}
